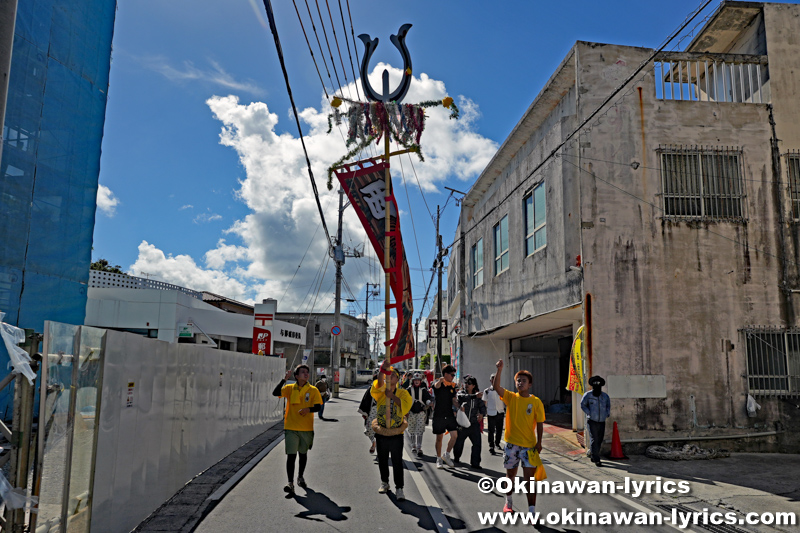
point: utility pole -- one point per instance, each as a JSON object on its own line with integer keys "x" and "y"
{"x": 366, "y": 305}
{"x": 339, "y": 254}
{"x": 416, "y": 351}
{"x": 338, "y": 257}
{"x": 439, "y": 293}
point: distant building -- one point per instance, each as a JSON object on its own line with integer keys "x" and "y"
{"x": 354, "y": 338}
{"x": 430, "y": 330}
{"x": 669, "y": 228}
{"x": 176, "y": 314}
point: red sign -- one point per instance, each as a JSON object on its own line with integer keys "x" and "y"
{"x": 262, "y": 341}
{"x": 363, "y": 182}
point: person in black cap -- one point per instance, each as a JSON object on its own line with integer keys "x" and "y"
{"x": 471, "y": 402}
{"x": 597, "y": 406}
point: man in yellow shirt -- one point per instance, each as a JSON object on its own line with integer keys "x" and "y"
{"x": 524, "y": 428}
{"x": 389, "y": 433}
{"x": 302, "y": 399}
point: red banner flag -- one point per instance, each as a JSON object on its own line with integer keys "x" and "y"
{"x": 364, "y": 184}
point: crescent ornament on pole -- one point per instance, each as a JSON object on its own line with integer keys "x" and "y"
{"x": 370, "y": 45}
{"x": 382, "y": 118}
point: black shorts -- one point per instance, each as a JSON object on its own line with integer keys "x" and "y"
{"x": 442, "y": 424}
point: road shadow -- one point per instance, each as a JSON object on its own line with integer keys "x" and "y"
{"x": 340, "y": 399}
{"x": 318, "y": 504}
{"x": 474, "y": 474}
{"x": 423, "y": 515}
{"x": 766, "y": 472}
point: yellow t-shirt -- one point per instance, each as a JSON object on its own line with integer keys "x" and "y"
{"x": 522, "y": 415}
{"x": 296, "y": 399}
{"x": 398, "y": 412}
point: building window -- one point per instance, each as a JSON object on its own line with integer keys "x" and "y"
{"x": 477, "y": 264}
{"x": 535, "y": 220}
{"x": 702, "y": 183}
{"x": 773, "y": 361}
{"x": 501, "y": 246}
{"x": 793, "y": 164}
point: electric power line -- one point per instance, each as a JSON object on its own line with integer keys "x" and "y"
{"x": 274, "y": 30}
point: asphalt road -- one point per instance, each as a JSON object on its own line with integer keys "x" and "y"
{"x": 343, "y": 494}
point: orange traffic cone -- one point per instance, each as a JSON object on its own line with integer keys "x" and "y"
{"x": 616, "y": 445}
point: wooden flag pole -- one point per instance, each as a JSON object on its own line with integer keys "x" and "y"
{"x": 386, "y": 97}
{"x": 387, "y": 256}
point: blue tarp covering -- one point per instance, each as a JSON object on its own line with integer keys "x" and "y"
{"x": 51, "y": 160}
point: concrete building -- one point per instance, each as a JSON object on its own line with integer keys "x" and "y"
{"x": 669, "y": 226}
{"x": 354, "y": 341}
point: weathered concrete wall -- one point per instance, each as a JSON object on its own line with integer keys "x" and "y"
{"x": 667, "y": 293}
{"x": 543, "y": 275}
{"x": 484, "y": 353}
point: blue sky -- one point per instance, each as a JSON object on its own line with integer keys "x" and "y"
{"x": 233, "y": 213}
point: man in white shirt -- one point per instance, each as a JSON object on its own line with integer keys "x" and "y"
{"x": 495, "y": 412}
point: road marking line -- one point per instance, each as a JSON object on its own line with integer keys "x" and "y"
{"x": 228, "y": 485}
{"x": 442, "y": 524}
{"x": 618, "y": 497}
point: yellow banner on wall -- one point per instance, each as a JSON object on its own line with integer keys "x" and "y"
{"x": 576, "y": 379}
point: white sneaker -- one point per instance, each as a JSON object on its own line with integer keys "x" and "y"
{"x": 439, "y": 463}
{"x": 446, "y": 458}
{"x": 384, "y": 488}
{"x": 400, "y": 496}
{"x": 413, "y": 449}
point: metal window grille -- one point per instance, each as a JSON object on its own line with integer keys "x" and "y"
{"x": 793, "y": 167}
{"x": 701, "y": 77}
{"x": 773, "y": 361}
{"x": 702, "y": 183}
{"x": 477, "y": 264}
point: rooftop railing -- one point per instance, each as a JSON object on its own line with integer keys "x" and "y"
{"x": 702, "y": 77}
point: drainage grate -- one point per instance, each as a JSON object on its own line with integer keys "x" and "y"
{"x": 721, "y": 528}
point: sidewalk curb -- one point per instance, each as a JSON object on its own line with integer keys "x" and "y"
{"x": 191, "y": 504}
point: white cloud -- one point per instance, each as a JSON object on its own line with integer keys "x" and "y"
{"x": 182, "y": 270}
{"x": 261, "y": 252}
{"x": 224, "y": 253}
{"x": 187, "y": 206}
{"x": 206, "y": 217}
{"x": 106, "y": 201}
{"x": 216, "y": 75}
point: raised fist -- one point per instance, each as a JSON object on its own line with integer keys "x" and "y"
{"x": 499, "y": 364}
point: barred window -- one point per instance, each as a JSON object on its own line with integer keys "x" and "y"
{"x": 702, "y": 183}
{"x": 773, "y": 361}
{"x": 793, "y": 166}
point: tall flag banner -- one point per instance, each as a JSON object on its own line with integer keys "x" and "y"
{"x": 363, "y": 182}
{"x": 575, "y": 383}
